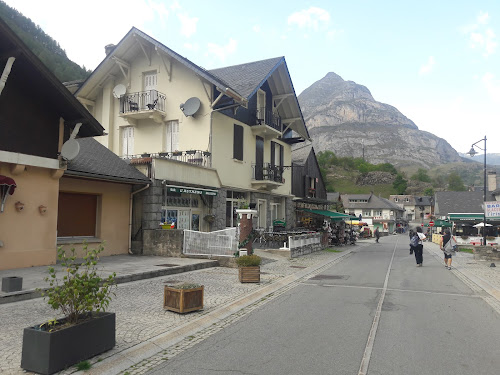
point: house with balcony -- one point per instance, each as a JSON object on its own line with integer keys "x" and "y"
{"x": 417, "y": 208}
{"x": 212, "y": 141}
{"x": 378, "y": 212}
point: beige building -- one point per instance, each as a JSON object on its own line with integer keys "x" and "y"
{"x": 212, "y": 141}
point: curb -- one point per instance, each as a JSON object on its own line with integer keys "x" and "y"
{"x": 34, "y": 293}
{"x": 121, "y": 361}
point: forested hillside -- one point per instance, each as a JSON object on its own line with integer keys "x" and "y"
{"x": 42, "y": 45}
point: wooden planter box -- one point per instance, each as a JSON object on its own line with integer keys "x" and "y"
{"x": 249, "y": 274}
{"x": 183, "y": 300}
{"x": 49, "y": 352}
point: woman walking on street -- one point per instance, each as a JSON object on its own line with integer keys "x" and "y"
{"x": 448, "y": 248}
{"x": 419, "y": 249}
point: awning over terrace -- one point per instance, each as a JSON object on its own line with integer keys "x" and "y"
{"x": 330, "y": 214}
{"x": 466, "y": 217}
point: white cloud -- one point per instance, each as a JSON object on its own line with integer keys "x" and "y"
{"x": 188, "y": 24}
{"x": 192, "y": 46}
{"x": 222, "y": 52}
{"x": 256, "y": 28}
{"x": 175, "y": 6}
{"x": 313, "y": 18}
{"x": 481, "y": 36}
{"x": 428, "y": 66}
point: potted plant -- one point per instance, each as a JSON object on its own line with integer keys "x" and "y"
{"x": 183, "y": 297}
{"x": 191, "y": 152}
{"x": 145, "y": 155}
{"x": 210, "y": 218}
{"x": 177, "y": 153}
{"x": 85, "y": 330}
{"x": 207, "y": 153}
{"x": 249, "y": 268}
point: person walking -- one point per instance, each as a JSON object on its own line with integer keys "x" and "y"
{"x": 377, "y": 234}
{"x": 419, "y": 248}
{"x": 447, "y": 245}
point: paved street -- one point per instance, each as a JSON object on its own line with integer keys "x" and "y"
{"x": 296, "y": 297}
{"x": 372, "y": 313}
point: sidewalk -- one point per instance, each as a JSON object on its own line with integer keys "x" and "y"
{"x": 146, "y": 333}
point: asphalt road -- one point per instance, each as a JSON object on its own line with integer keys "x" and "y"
{"x": 373, "y": 313}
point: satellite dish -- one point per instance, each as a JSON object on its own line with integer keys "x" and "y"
{"x": 71, "y": 147}
{"x": 191, "y": 106}
{"x": 119, "y": 90}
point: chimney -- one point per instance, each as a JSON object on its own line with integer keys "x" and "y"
{"x": 492, "y": 181}
{"x": 109, "y": 48}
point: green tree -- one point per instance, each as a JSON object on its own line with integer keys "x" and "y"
{"x": 455, "y": 182}
{"x": 400, "y": 184}
{"x": 429, "y": 192}
{"x": 421, "y": 175}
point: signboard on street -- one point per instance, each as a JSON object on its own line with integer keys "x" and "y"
{"x": 492, "y": 209}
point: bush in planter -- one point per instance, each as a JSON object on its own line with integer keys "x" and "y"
{"x": 183, "y": 297}
{"x": 86, "y": 330}
{"x": 249, "y": 268}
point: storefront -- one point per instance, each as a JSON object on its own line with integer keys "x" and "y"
{"x": 185, "y": 207}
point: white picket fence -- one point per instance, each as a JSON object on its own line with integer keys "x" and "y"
{"x": 303, "y": 240}
{"x": 220, "y": 242}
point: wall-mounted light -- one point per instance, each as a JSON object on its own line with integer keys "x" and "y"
{"x": 42, "y": 209}
{"x": 19, "y": 206}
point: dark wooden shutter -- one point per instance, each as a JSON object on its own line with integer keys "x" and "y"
{"x": 273, "y": 153}
{"x": 238, "y": 142}
{"x": 259, "y": 158}
{"x": 76, "y": 215}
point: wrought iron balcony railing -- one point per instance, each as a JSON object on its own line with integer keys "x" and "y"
{"x": 267, "y": 117}
{"x": 197, "y": 157}
{"x": 268, "y": 172}
{"x": 151, "y": 100}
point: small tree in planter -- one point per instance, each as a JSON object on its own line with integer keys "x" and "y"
{"x": 86, "y": 329}
{"x": 249, "y": 268}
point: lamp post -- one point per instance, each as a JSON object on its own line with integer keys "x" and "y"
{"x": 473, "y": 152}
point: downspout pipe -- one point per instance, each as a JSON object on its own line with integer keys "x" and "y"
{"x": 130, "y": 217}
{"x": 6, "y": 72}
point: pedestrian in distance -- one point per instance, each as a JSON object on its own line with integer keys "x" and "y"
{"x": 448, "y": 245}
{"x": 377, "y": 234}
{"x": 418, "y": 246}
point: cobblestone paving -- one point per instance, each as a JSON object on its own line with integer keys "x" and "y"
{"x": 139, "y": 305}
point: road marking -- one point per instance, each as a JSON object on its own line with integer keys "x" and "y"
{"x": 363, "y": 369}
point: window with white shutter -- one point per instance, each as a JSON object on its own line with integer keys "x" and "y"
{"x": 128, "y": 141}
{"x": 172, "y": 136}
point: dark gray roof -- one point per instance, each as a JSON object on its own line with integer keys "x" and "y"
{"x": 96, "y": 161}
{"x": 374, "y": 202}
{"x": 247, "y": 78}
{"x": 423, "y": 201}
{"x": 332, "y": 197}
{"x": 459, "y": 202}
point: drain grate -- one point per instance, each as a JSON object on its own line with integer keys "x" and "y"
{"x": 328, "y": 277}
{"x": 298, "y": 267}
{"x": 166, "y": 265}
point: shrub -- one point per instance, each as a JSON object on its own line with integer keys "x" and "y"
{"x": 248, "y": 261}
{"x": 81, "y": 290}
{"x": 185, "y": 285}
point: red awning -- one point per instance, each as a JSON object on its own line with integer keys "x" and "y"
{"x": 7, "y": 185}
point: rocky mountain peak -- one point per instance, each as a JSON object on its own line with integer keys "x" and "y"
{"x": 343, "y": 117}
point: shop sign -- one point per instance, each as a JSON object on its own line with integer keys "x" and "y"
{"x": 178, "y": 189}
{"x": 492, "y": 209}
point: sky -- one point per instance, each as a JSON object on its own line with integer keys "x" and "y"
{"x": 438, "y": 62}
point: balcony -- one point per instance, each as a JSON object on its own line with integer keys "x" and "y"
{"x": 267, "y": 177}
{"x": 196, "y": 157}
{"x": 143, "y": 105}
{"x": 266, "y": 123}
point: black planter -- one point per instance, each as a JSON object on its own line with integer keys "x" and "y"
{"x": 12, "y": 284}
{"x": 49, "y": 352}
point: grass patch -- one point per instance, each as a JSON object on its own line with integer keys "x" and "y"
{"x": 470, "y": 251}
{"x": 333, "y": 250}
{"x": 83, "y": 366}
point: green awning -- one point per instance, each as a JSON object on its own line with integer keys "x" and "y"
{"x": 465, "y": 217}
{"x": 330, "y": 214}
{"x": 441, "y": 223}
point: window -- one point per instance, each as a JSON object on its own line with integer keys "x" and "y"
{"x": 150, "y": 81}
{"x": 128, "y": 141}
{"x": 234, "y": 200}
{"x": 396, "y": 199}
{"x": 172, "y": 136}
{"x": 367, "y": 213}
{"x": 377, "y": 213}
{"x": 407, "y": 199}
{"x": 77, "y": 215}
{"x": 238, "y": 142}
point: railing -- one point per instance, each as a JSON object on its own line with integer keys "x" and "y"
{"x": 266, "y": 117}
{"x": 268, "y": 172}
{"x": 197, "y": 157}
{"x": 151, "y": 100}
{"x": 220, "y": 243}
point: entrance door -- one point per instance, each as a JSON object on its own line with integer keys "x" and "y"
{"x": 259, "y": 158}
{"x": 150, "y": 83}
{"x": 183, "y": 219}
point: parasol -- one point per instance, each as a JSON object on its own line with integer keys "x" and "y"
{"x": 7, "y": 186}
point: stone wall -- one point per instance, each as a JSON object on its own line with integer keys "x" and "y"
{"x": 219, "y": 210}
{"x": 163, "y": 242}
{"x": 290, "y": 215}
{"x": 306, "y": 248}
{"x": 486, "y": 253}
{"x": 151, "y": 208}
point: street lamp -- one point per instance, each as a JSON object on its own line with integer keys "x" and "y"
{"x": 473, "y": 152}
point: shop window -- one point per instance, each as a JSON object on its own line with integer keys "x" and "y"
{"x": 77, "y": 215}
